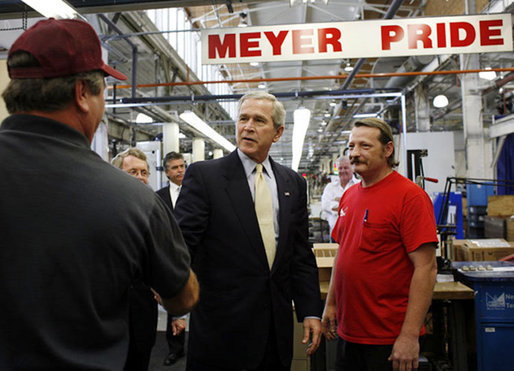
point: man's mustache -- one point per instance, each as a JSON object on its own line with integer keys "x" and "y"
{"x": 355, "y": 161}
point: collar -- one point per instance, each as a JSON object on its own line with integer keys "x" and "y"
{"x": 174, "y": 187}
{"x": 249, "y": 164}
{"x": 44, "y": 126}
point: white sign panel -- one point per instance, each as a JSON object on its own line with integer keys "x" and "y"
{"x": 361, "y": 39}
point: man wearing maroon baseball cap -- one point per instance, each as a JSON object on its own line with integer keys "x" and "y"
{"x": 76, "y": 233}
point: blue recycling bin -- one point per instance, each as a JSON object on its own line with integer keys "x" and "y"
{"x": 494, "y": 311}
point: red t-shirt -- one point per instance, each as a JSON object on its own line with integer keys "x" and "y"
{"x": 378, "y": 226}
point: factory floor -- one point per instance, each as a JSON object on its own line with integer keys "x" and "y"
{"x": 159, "y": 352}
{"x": 160, "y": 349}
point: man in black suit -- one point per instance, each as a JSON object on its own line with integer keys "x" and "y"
{"x": 142, "y": 305}
{"x": 244, "y": 320}
{"x": 174, "y": 167}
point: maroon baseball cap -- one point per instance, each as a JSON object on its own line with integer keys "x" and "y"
{"x": 62, "y": 47}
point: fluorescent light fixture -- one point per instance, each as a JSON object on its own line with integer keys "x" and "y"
{"x": 364, "y": 115}
{"x": 302, "y": 117}
{"x": 254, "y": 64}
{"x": 141, "y": 118}
{"x": 440, "y": 101}
{"x": 348, "y": 67}
{"x": 487, "y": 75}
{"x": 58, "y": 9}
{"x": 197, "y": 123}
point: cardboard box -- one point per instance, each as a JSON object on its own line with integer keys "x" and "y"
{"x": 495, "y": 227}
{"x": 458, "y": 249}
{"x": 500, "y": 205}
{"x": 490, "y": 249}
{"x": 509, "y": 227}
{"x": 325, "y": 254}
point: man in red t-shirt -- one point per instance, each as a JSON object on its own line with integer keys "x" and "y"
{"x": 385, "y": 270}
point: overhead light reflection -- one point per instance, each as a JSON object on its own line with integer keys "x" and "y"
{"x": 196, "y": 122}
{"x": 58, "y": 9}
{"x": 302, "y": 117}
{"x": 440, "y": 101}
{"x": 487, "y": 75}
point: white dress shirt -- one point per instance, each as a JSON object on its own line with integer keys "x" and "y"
{"x": 174, "y": 192}
{"x": 328, "y": 199}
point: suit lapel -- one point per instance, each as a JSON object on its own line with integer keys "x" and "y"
{"x": 168, "y": 197}
{"x": 241, "y": 201}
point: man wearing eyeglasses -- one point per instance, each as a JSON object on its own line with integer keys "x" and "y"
{"x": 133, "y": 161}
{"x": 142, "y": 305}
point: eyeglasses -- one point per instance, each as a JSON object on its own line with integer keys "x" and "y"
{"x": 137, "y": 172}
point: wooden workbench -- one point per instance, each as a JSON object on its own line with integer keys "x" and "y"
{"x": 442, "y": 291}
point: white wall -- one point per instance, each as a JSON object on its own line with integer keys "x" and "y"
{"x": 440, "y": 162}
{"x": 153, "y": 154}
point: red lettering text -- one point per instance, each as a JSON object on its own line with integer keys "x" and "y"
{"x": 441, "y": 35}
{"x": 276, "y": 41}
{"x": 246, "y": 43}
{"x": 419, "y": 32}
{"x": 302, "y": 41}
{"x": 469, "y": 37}
{"x": 486, "y": 32}
{"x": 215, "y": 44}
{"x": 390, "y": 34}
{"x": 329, "y": 36}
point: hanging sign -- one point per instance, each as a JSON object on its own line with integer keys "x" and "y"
{"x": 360, "y": 39}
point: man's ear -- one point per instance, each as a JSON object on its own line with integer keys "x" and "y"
{"x": 81, "y": 96}
{"x": 388, "y": 149}
{"x": 278, "y": 134}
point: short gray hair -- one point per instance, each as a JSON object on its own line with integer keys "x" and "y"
{"x": 278, "y": 113}
{"x": 136, "y": 152}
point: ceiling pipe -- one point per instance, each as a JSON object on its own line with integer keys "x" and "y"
{"x": 499, "y": 83}
{"x": 113, "y": 26}
{"x": 329, "y": 94}
{"x": 390, "y": 14}
{"x": 413, "y": 63}
{"x": 328, "y": 77}
{"x": 395, "y": 5}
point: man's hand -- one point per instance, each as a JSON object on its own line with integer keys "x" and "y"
{"x": 405, "y": 353}
{"x": 177, "y": 326}
{"x": 156, "y": 296}
{"x": 329, "y": 323}
{"x": 311, "y": 329}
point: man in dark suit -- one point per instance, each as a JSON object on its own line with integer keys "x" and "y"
{"x": 142, "y": 305}
{"x": 174, "y": 167}
{"x": 244, "y": 320}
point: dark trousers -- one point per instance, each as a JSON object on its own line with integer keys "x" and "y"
{"x": 270, "y": 361}
{"x": 362, "y": 357}
{"x": 142, "y": 327}
{"x": 175, "y": 343}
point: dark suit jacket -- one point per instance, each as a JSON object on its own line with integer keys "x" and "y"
{"x": 164, "y": 193}
{"x": 239, "y": 296}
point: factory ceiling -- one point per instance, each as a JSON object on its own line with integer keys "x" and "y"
{"x": 129, "y": 35}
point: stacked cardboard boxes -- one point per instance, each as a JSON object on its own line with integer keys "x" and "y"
{"x": 499, "y": 222}
{"x": 491, "y": 249}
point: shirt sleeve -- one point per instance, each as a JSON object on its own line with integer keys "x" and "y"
{"x": 417, "y": 225}
{"x": 168, "y": 258}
